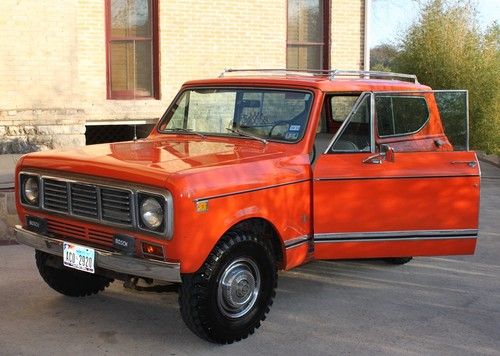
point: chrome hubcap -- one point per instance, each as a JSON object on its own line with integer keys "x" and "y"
{"x": 238, "y": 288}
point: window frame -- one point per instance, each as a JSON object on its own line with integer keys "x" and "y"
{"x": 371, "y": 105}
{"x": 392, "y": 95}
{"x": 325, "y": 58}
{"x": 155, "y": 57}
{"x": 434, "y": 91}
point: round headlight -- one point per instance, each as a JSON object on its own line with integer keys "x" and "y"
{"x": 31, "y": 190}
{"x": 151, "y": 213}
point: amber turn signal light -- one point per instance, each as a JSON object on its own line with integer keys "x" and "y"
{"x": 152, "y": 250}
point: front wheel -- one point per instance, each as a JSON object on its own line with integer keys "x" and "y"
{"x": 67, "y": 281}
{"x": 231, "y": 294}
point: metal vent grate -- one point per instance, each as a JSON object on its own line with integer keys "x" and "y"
{"x": 115, "y": 205}
{"x": 88, "y": 201}
{"x": 55, "y": 195}
{"x": 84, "y": 200}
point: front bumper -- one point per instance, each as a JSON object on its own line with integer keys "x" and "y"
{"x": 108, "y": 260}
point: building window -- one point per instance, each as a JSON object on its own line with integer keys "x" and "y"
{"x": 132, "y": 49}
{"x": 308, "y": 34}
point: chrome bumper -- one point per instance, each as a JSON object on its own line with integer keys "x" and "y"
{"x": 114, "y": 261}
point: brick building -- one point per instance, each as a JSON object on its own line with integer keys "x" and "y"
{"x": 77, "y": 66}
{"x": 76, "y": 72}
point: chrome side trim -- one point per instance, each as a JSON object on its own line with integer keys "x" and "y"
{"x": 392, "y": 177}
{"x": 251, "y": 190}
{"x": 395, "y": 235}
{"x": 109, "y": 260}
{"x": 296, "y": 245}
{"x": 296, "y": 241}
{"x": 333, "y": 241}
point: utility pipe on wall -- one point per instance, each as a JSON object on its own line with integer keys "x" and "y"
{"x": 366, "y": 46}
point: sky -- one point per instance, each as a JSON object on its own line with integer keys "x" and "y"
{"x": 390, "y": 18}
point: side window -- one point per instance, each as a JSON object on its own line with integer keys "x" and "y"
{"x": 400, "y": 115}
{"x": 356, "y": 135}
{"x": 335, "y": 111}
{"x": 341, "y": 106}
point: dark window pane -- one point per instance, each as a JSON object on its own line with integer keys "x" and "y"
{"x": 452, "y": 106}
{"x": 131, "y": 18}
{"x": 398, "y": 115}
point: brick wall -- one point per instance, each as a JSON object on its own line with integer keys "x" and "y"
{"x": 53, "y": 62}
{"x": 53, "y": 65}
{"x": 347, "y": 34}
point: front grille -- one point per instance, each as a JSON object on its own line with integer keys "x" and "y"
{"x": 116, "y": 206}
{"x": 84, "y": 200}
{"x": 66, "y": 230}
{"x": 88, "y": 201}
{"x": 55, "y": 195}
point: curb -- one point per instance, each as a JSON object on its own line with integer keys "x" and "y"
{"x": 492, "y": 159}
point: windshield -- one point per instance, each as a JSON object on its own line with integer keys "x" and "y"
{"x": 280, "y": 115}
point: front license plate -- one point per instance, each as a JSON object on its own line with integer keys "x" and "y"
{"x": 79, "y": 257}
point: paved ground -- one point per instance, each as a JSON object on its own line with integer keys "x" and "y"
{"x": 448, "y": 305}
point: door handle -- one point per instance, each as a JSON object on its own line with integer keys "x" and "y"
{"x": 375, "y": 159}
{"x": 471, "y": 164}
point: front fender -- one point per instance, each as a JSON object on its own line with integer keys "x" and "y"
{"x": 286, "y": 207}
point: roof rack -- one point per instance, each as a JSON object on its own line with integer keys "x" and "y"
{"x": 331, "y": 74}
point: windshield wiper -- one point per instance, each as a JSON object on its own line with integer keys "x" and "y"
{"x": 181, "y": 129}
{"x": 245, "y": 134}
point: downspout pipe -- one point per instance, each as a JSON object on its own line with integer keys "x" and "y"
{"x": 366, "y": 45}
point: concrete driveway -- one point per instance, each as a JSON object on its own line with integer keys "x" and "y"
{"x": 445, "y": 305}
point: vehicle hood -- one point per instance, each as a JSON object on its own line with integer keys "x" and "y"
{"x": 152, "y": 160}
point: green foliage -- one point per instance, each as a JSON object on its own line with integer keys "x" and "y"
{"x": 382, "y": 56}
{"x": 446, "y": 50}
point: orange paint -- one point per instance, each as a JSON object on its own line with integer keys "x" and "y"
{"x": 242, "y": 179}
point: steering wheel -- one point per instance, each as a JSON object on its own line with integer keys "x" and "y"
{"x": 342, "y": 145}
{"x": 275, "y": 124}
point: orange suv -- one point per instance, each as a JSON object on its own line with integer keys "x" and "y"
{"x": 250, "y": 173}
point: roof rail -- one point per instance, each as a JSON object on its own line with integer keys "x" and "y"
{"x": 373, "y": 74}
{"x": 331, "y": 74}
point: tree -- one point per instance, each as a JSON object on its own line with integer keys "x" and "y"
{"x": 382, "y": 56}
{"x": 446, "y": 50}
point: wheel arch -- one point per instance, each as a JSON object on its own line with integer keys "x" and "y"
{"x": 266, "y": 230}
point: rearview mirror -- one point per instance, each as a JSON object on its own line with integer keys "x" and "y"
{"x": 388, "y": 152}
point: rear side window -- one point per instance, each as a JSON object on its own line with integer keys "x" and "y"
{"x": 400, "y": 115}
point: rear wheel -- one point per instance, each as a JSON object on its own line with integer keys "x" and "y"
{"x": 66, "y": 281}
{"x": 398, "y": 260}
{"x": 230, "y": 295}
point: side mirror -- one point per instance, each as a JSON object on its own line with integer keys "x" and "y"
{"x": 388, "y": 152}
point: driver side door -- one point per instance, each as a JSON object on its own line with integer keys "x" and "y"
{"x": 414, "y": 204}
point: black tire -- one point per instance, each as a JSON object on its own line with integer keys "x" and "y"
{"x": 398, "y": 260}
{"x": 69, "y": 282}
{"x": 204, "y": 302}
